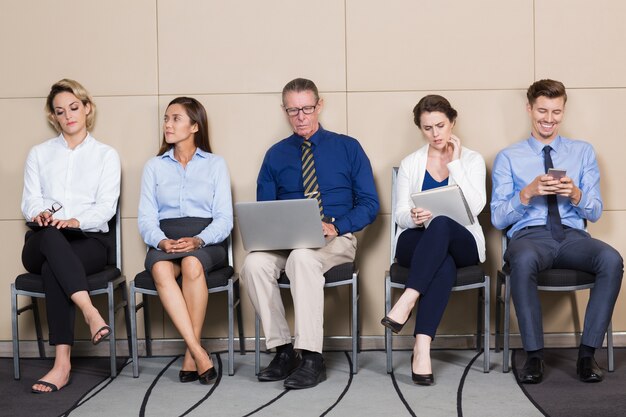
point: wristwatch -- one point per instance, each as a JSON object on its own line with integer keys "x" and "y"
{"x": 336, "y": 229}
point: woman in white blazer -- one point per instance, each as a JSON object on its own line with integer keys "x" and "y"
{"x": 433, "y": 254}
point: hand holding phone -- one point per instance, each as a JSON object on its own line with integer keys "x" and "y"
{"x": 557, "y": 173}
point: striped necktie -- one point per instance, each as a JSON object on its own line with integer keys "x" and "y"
{"x": 309, "y": 176}
{"x": 554, "y": 217}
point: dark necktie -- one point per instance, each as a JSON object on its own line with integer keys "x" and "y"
{"x": 309, "y": 176}
{"x": 554, "y": 217}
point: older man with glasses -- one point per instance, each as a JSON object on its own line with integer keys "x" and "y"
{"x": 332, "y": 168}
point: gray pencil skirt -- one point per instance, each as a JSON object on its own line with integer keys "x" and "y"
{"x": 211, "y": 256}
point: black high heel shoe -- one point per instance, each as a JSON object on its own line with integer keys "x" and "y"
{"x": 187, "y": 376}
{"x": 209, "y": 376}
{"x": 421, "y": 379}
{"x": 393, "y": 325}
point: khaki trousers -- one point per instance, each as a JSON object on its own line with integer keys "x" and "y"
{"x": 305, "y": 269}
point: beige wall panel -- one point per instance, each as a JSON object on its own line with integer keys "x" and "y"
{"x": 581, "y": 42}
{"x": 109, "y": 46}
{"x": 415, "y": 45}
{"x": 243, "y": 46}
{"x": 373, "y": 261}
{"x": 10, "y": 259}
{"x": 584, "y": 112}
{"x": 25, "y": 125}
{"x": 131, "y": 126}
{"x": 383, "y": 122}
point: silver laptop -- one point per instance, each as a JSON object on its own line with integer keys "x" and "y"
{"x": 280, "y": 224}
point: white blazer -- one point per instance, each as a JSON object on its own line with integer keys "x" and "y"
{"x": 468, "y": 172}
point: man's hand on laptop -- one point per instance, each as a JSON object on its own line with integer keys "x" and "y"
{"x": 329, "y": 229}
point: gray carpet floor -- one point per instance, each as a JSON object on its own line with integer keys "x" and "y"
{"x": 461, "y": 389}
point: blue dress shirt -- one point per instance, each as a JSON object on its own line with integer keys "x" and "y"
{"x": 519, "y": 164}
{"x": 169, "y": 191}
{"x": 344, "y": 176}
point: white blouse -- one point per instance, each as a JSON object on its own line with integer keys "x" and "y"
{"x": 85, "y": 180}
{"x": 468, "y": 172}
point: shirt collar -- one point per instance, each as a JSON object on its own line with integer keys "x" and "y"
{"x": 537, "y": 146}
{"x": 61, "y": 140}
{"x": 199, "y": 152}
{"x": 315, "y": 139}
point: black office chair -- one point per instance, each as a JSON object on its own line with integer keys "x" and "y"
{"x": 223, "y": 279}
{"x": 105, "y": 282}
{"x": 548, "y": 280}
{"x": 344, "y": 274}
{"x": 468, "y": 278}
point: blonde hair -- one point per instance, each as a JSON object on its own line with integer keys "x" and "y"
{"x": 70, "y": 86}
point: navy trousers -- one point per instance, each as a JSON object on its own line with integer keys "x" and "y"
{"x": 433, "y": 256}
{"x": 64, "y": 264}
{"x": 533, "y": 250}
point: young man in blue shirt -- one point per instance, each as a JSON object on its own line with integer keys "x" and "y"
{"x": 339, "y": 175}
{"x": 547, "y": 218}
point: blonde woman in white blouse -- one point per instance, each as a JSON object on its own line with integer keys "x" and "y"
{"x": 73, "y": 181}
{"x": 433, "y": 254}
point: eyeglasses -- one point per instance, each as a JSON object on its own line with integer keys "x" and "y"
{"x": 56, "y": 206}
{"x": 293, "y": 111}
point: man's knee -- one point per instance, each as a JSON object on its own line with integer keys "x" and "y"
{"x": 302, "y": 258}
{"x": 612, "y": 260}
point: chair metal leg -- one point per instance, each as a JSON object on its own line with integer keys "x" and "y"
{"x": 16, "y": 336}
{"x": 257, "y": 344}
{"x": 479, "y": 318}
{"x": 124, "y": 289}
{"x": 146, "y": 325}
{"x": 609, "y": 347}
{"x": 498, "y": 311}
{"x": 132, "y": 301}
{"x": 507, "y": 324}
{"x": 486, "y": 325}
{"x": 355, "y": 327}
{"x": 388, "y": 347}
{"x": 231, "y": 328}
{"x": 242, "y": 340}
{"x": 112, "y": 345}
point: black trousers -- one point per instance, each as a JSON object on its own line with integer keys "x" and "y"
{"x": 433, "y": 256}
{"x": 64, "y": 263}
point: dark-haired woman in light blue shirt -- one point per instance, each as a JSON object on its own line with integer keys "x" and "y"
{"x": 185, "y": 212}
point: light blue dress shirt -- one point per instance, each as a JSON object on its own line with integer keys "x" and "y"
{"x": 169, "y": 191}
{"x": 519, "y": 164}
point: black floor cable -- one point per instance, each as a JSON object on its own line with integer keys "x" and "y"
{"x": 459, "y": 391}
{"x": 144, "y": 403}
{"x": 397, "y": 388}
{"x": 215, "y": 385}
{"x": 345, "y": 390}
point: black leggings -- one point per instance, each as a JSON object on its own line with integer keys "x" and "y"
{"x": 64, "y": 263}
{"x": 433, "y": 255}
